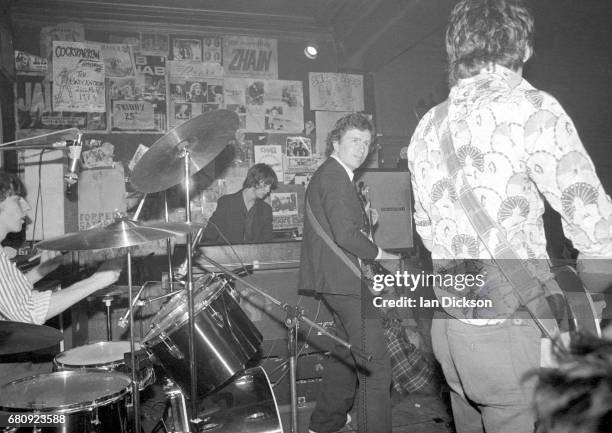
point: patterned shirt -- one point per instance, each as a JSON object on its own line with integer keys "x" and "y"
{"x": 18, "y": 301}
{"x": 514, "y": 143}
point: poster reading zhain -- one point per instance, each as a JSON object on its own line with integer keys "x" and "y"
{"x": 249, "y": 57}
{"x": 78, "y": 77}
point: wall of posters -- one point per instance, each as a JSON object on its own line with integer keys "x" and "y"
{"x": 335, "y": 92}
{"x": 34, "y": 113}
{"x": 78, "y": 77}
{"x": 266, "y": 105}
{"x": 245, "y": 56}
{"x": 195, "y": 88}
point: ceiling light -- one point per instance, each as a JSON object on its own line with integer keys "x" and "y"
{"x": 311, "y": 51}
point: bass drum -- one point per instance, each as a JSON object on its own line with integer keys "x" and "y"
{"x": 84, "y": 402}
{"x": 225, "y": 338}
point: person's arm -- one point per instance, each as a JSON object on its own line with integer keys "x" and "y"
{"x": 49, "y": 261}
{"x": 417, "y": 152}
{"x": 565, "y": 174}
{"x": 66, "y": 298}
{"x": 266, "y": 233}
{"x": 211, "y": 232}
{"x": 337, "y": 201}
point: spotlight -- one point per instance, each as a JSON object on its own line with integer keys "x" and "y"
{"x": 311, "y": 51}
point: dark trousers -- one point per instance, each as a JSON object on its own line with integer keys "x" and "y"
{"x": 362, "y": 328}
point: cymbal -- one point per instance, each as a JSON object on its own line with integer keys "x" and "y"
{"x": 18, "y": 337}
{"x": 119, "y": 234}
{"x": 177, "y": 228}
{"x": 204, "y": 137}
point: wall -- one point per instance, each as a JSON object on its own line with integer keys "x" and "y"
{"x": 572, "y": 62}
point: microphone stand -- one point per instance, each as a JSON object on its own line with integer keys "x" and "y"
{"x": 294, "y": 315}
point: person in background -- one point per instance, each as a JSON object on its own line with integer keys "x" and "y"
{"x": 337, "y": 208}
{"x": 244, "y": 216}
{"x": 19, "y": 302}
{"x": 515, "y": 146}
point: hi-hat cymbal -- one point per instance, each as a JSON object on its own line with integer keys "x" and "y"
{"x": 119, "y": 234}
{"x": 17, "y": 337}
{"x": 204, "y": 137}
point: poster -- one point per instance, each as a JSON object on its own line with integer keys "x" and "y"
{"x": 250, "y": 57}
{"x": 270, "y": 154}
{"x": 73, "y": 32}
{"x": 118, "y": 60}
{"x": 139, "y": 103}
{"x": 284, "y": 210}
{"x": 78, "y": 77}
{"x": 154, "y": 44}
{"x": 266, "y": 105}
{"x": 29, "y": 64}
{"x": 195, "y": 88}
{"x": 335, "y": 92}
{"x": 212, "y": 49}
{"x": 101, "y": 196}
{"x": 187, "y": 49}
{"x": 34, "y": 114}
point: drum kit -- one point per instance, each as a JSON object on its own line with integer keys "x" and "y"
{"x": 201, "y": 337}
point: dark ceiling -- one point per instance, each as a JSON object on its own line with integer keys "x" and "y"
{"x": 367, "y": 33}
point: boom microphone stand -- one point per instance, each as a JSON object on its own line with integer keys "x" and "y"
{"x": 294, "y": 315}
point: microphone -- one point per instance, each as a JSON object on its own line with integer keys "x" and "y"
{"x": 74, "y": 149}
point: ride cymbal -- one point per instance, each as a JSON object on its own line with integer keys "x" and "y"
{"x": 204, "y": 137}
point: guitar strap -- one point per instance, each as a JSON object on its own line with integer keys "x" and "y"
{"x": 527, "y": 288}
{"x": 330, "y": 243}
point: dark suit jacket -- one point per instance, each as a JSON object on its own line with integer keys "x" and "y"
{"x": 238, "y": 225}
{"x": 336, "y": 206}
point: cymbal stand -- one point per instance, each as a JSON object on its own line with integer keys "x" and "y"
{"x": 168, "y": 246}
{"x": 135, "y": 390}
{"x": 189, "y": 286}
{"x": 294, "y": 315}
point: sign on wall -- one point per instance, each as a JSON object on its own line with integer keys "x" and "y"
{"x": 250, "y": 57}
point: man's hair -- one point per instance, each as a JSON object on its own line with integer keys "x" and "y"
{"x": 350, "y": 121}
{"x": 10, "y": 185}
{"x": 260, "y": 173}
{"x": 487, "y": 31}
{"x": 576, "y": 397}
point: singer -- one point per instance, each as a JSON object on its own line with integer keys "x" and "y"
{"x": 19, "y": 301}
{"x": 244, "y": 216}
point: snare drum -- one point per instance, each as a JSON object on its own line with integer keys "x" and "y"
{"x": 225, "y": 338}
{"x": 102, "y": 356}
{"x": 85, "y": 401}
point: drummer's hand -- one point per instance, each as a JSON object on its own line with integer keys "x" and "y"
{"x": 107, "y": 274}
{"x": 49, "y": 261}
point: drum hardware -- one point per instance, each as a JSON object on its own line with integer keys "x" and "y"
{"x": 170, "y": 160}
{"x": 122, "y": 233}
{"x": 294, "y": 315}
{"x": 108, "y": 300}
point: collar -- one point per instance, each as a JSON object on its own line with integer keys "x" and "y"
{"x": 512, "y": 78}
{"x": 348, "y": 170}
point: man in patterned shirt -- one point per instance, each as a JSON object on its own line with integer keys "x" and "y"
{"x": 18, "y": 301}
{"x": 515, "y": 147}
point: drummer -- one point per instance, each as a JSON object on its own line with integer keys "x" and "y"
{"x": 19, "y": 302}
{"x": 244, "y": 216}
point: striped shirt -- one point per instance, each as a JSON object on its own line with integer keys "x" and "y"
{"x": 19, "y": 302}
